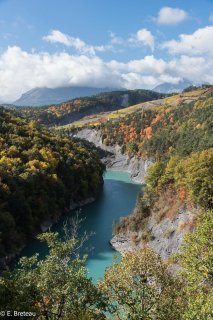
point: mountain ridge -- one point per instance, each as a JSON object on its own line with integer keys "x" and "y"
{"x": 167, "y": 87}
{"x": 41, "y": 96}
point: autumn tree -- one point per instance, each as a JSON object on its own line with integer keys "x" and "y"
{"x": 141, "y": 288}
{"x": 196, "y": 260}
{"x": 56, "y": 287}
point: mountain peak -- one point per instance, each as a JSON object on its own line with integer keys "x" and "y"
{"x": 167, "y": 87}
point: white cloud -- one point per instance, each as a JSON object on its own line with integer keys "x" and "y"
{"x": 143, "y": 37}
{"x": 170, "y": 16}
{"x": 21, "y": 71}
{"x": 50, "y": 70}
{"x": 137, "y": 81}
{"x": 57, "y": 36}
{"x": 200, "y": 42}
{"x": 115, "y": 40}
{"x": 148, "y": 65}
{"x": 79, "y": 45}
{"x": 195, "y": 69}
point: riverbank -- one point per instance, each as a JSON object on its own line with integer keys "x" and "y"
{"x": 117, "y": 198}
{"x": 45, "y": 226}
{"x": 73, "y": 205}
{"x": 123, "y": 244}
{"x": 164, "y": 237}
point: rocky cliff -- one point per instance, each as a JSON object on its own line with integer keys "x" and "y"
{"x": 164, "y": 237}
{"x": 115, "y": 159}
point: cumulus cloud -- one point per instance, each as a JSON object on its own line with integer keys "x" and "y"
{"x": 21, "y": 71}
{"x": 199, "y": 42}
{"x": 195, "y": 69}
{"x": 143, "y": 37}
{"x": 115, "y": 40}
{"x": 170, "y": 16}
{"x": 148, "y": 65}
{"x": 56, "y": 36}
{"x": 138, "y": 81}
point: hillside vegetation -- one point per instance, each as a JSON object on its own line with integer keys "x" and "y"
{"x": 139, "y": 287}
{"x": 73, "y": 110}
{"x": 40, "y": 170}
{"x": 95, "y": 120}
{"x": 40, "y": 174}
{"x": 163, "y": 130}
{"x": 178, "y": 137}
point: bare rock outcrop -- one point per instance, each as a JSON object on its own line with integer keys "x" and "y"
{"x": 165, "y": 237}
{"x": 137, "y": 167}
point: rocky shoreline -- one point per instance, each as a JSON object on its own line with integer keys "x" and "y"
{"x": 166, "y": 236}
{"x": 122, "y": 244}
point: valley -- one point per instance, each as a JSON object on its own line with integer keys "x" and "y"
{"x": 106, "y": 160}
{"x": 170, "y": 217}
{"x": 132, "y": 139}
{"x": 157, "y": 189}
{"x": 97, "y": 219}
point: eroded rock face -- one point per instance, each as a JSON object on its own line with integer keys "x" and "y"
{"x": 166, "y": 235}
{"x": 122, "y": 244}
{"x": 116, "y": 160}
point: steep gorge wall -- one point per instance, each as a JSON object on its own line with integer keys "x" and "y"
{"x": 165, "y": 235}
{"x": 116, "y": 160}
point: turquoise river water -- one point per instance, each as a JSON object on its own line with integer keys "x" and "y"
{"x": 116, "y": 199}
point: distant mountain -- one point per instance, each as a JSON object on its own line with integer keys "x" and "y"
{"x": 46, "y": 96}
{"x": 170, "y": 88}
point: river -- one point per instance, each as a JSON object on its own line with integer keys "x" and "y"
{"x": 116, "y": 199}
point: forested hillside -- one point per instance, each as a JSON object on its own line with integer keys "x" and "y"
{"x": 178, "y": 138}
{"x": 40, "y": 171}
{"x": 40, "y": 174}
{"x": 164, "y": 130}
{"x": 76, "y": 109}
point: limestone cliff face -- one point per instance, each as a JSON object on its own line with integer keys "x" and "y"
{"x": 116, "y": 160}
{"x": 164, "y": 237}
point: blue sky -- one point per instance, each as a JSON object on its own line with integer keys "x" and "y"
{"x": 128, "y": 43}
